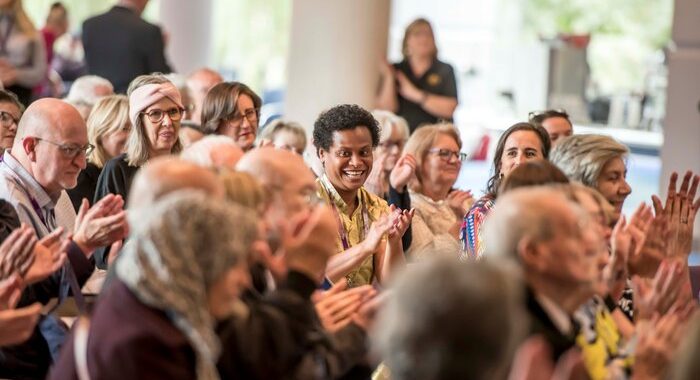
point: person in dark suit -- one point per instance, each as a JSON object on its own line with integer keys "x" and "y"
{"x": 549, "y": 236}
{"x": 120, "y": 45}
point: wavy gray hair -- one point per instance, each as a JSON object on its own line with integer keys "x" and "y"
{"x": 177, "y": 251}
{"x": 582, "y": 157}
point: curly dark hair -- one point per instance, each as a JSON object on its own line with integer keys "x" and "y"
{"x": 495, "y": 180}
{"x": 340, "y": 118}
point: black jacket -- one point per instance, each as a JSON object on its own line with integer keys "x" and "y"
{"x": 120, "y": 45}
{"x": 541, "y": 324}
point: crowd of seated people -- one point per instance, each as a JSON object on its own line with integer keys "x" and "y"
{"x": 219, "y": 254}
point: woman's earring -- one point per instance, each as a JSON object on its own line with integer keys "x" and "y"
{"x": 500, "y": 176}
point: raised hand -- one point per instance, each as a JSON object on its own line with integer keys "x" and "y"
{"x": 17, "y": 252}
{"x": 100, "y": 225}
{"x": 659, "y": 294}
{"x": 376, "y": 179}
{"x": 401, "y": 221}
{"x": 337, "y": 306}
{"x": 408, "y": 90}
{"x": 17, "y": 325}
{"x": 403, "y": 172}
{"x": 460, "y": 202}
{"x": 50, "y": 255}
{"x": 680, "y": 211}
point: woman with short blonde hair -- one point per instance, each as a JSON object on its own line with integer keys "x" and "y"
{"x": 439, "y": 208}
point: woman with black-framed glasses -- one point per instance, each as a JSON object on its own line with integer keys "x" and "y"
{"x": 155, "y": 112}
{"x": 232, "y": 109}
{"x": 439, "y": 207}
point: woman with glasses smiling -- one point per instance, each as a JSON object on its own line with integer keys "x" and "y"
{"x": 232, "y": 109}
{"x": 10, "y": 112}
{"x": 439, "y": 207}
{"x": 155, "y": 111}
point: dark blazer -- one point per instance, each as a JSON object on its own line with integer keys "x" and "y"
{"x": 120, "y": 45}
{"x": 129, "y": 340}
{"x": 541, "y": 324}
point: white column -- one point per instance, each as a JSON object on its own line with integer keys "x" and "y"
{"x": 334, "y": 55}
{"x": 188, "y": 25}
{"x": 681, "y": 149}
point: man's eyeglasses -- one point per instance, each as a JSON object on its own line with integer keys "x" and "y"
{"x": 69, "y": 150}
{"x": 250, "y": 114}
{"x": 446, "y": 154}
{"x": 156, "y": 116}
{"x": 6, "y": 119}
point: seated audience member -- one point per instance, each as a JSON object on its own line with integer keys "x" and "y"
{"x": 393, "y": 134}
{"x": 155, "y": 110}
{"x": 369, "y": 239}
{"x": 555, "y": 122}
{"x": 281, "y": 316}
{"x": 439, "y": 207}
{"x": 45, "y": 160}
{"x": 10, "y": 112}
{"x": 284, "y": 135}
{"x": 520, "y": 143}
{"x": 213, "y": 152}
{"x": 232, "y": 109}
{"x": 198, "y": 84}
{"x": 179, "y": 273}
{"x": 391, "y": 171}
{"x": 86, "y": 91}
{"x": 421, "y": 334}
{"x": 108, "y": 129}
{"x": 551, "y": 239}
{"x": 597, "y": 161}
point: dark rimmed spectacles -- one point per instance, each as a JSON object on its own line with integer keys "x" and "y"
{"x": 6, "y": 119}
{"x": 156, "y": 116}
{"x": 250, "y": 114}
{"x": 446, "y": 154}
{"x": 69, "y": 150}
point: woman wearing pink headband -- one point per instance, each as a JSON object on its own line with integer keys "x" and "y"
{"x": 155, "y": 111}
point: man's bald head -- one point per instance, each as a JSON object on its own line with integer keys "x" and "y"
{"x": 50, "y": 144}
{"x": 531, "y": 213}
{"x": 274, "y": 167}
{"x": 198, "y": 84}
{"x": 49, "y": 118}
{"x": 213, "y": 151}
{"x": 164, "y": 175}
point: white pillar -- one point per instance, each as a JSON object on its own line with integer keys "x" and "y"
{"x": 681, "y": 149}
{"x": 334, "y": 55}
{"x": 187, "y": 24}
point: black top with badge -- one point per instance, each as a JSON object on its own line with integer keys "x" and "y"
{"x": 438, "y": 80}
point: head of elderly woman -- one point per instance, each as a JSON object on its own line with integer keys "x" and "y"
{"x": 108, "y": 128}
{"x": 437, "y": 150}
{"x": 596, "y": 161}
{"x": 155, "y": 111}
{"x": 393, "y": 133}
{"x": 179, "y": 250}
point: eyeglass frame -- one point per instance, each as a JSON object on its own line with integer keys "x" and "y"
{"x": 67, "y": 148}
{"x": 461, "y": 157}
{"x": 237, "y": 118}
{"x": 15, "y": 121}
{"x": 148, "y": 114}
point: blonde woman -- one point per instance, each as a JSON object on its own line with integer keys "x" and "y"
{"x": 439, "y": 207}
{"x": 108, "y": 130}
{"x": 22, "y": 52}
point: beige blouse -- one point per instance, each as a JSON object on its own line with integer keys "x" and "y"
{"x": 430, "y": 228}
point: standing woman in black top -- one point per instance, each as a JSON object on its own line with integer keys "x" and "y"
{"x": 421, "y": 88}
{"x": 108, "y": 129}
{"x": 155, "y": 111}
